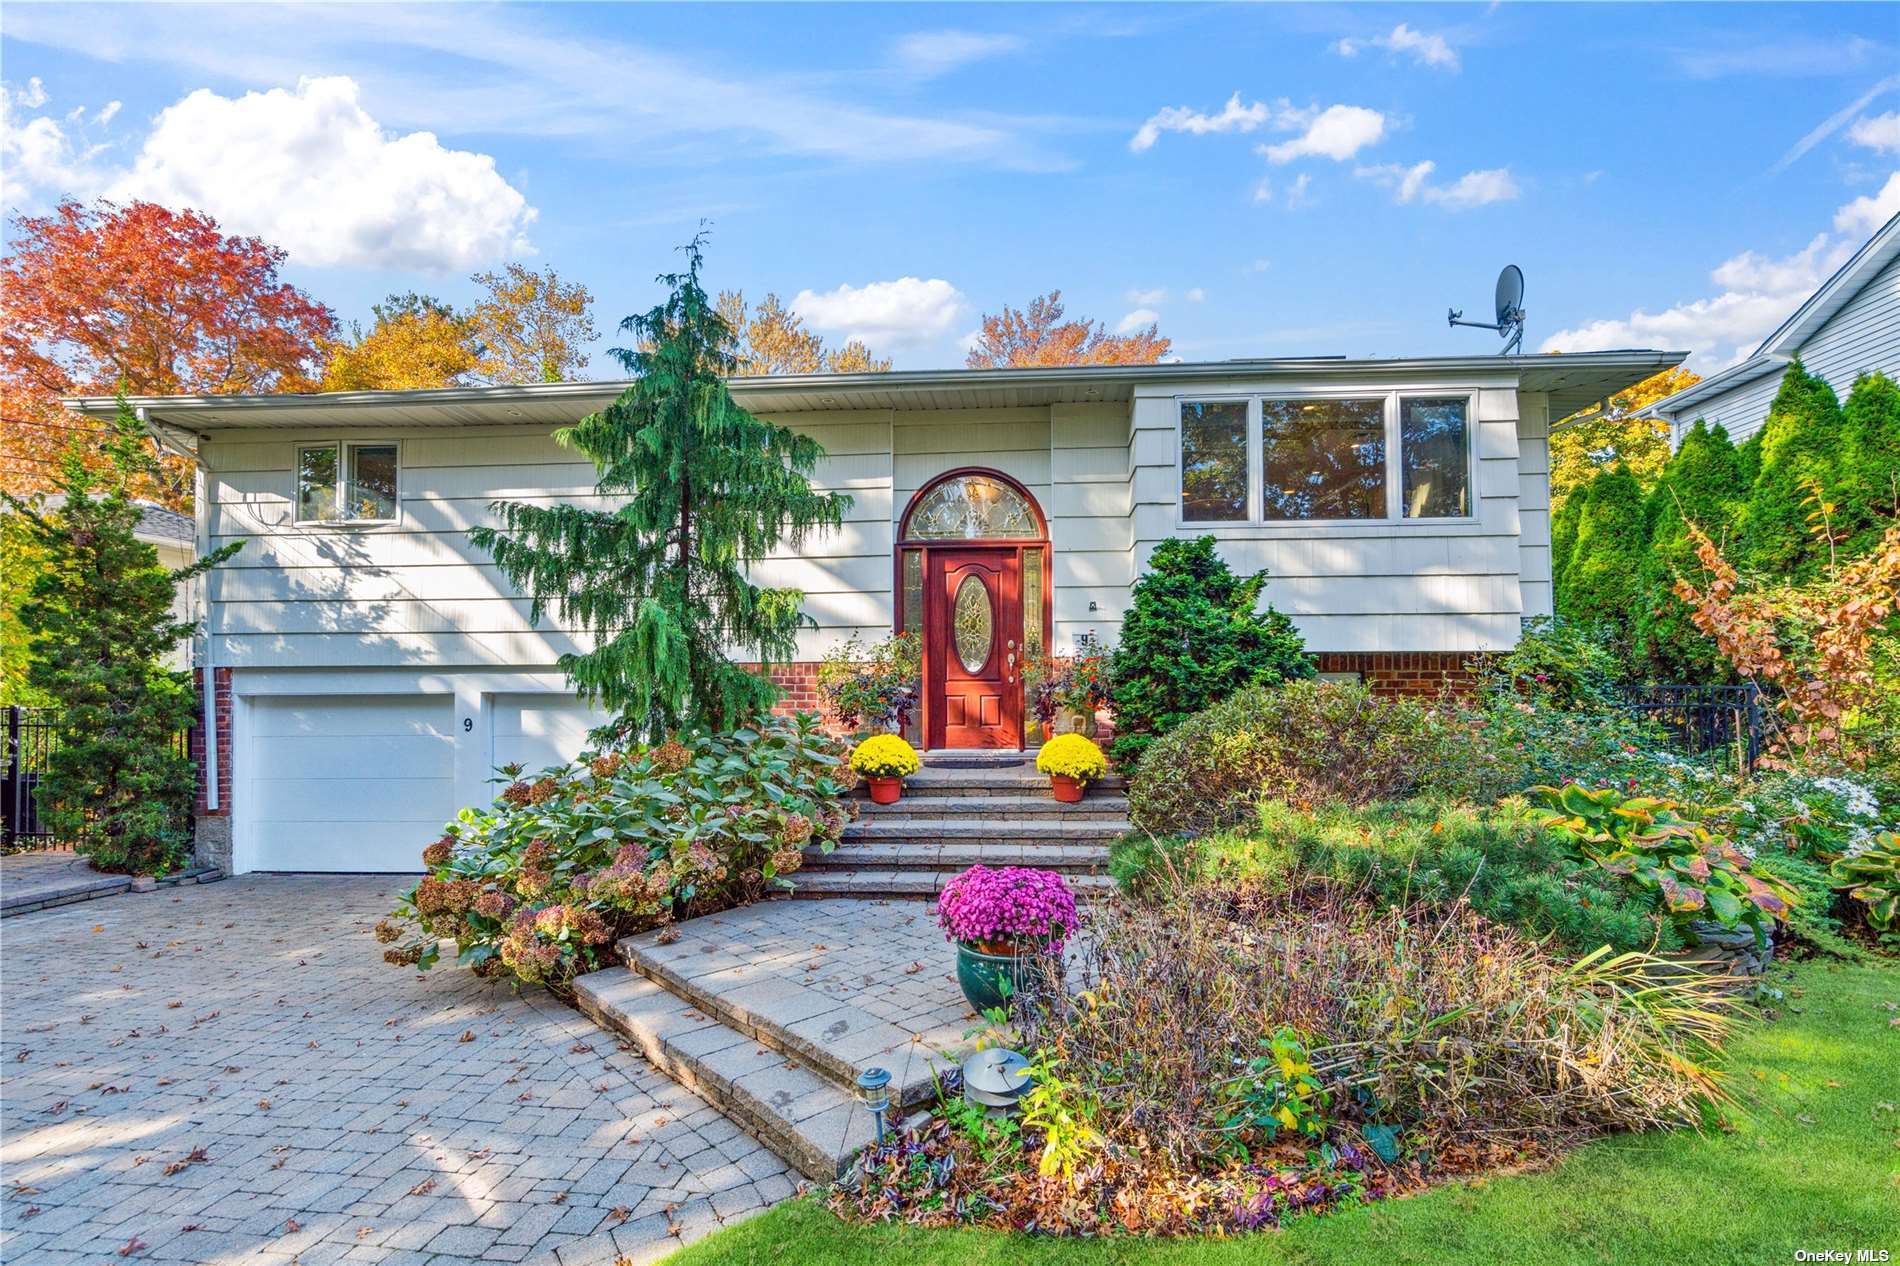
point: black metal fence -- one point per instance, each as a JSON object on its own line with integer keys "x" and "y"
{"x": 1708, "y": 718}
{"x": 31, "y": 736}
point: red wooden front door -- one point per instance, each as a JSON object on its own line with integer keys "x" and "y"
{"x": 973, "y": 652}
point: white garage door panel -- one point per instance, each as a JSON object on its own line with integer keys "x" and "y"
{"x": 537, "y": 731}
{"x": 349, "y": 783}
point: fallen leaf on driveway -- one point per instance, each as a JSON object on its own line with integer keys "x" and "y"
{"x": 134, "y": 1244}
{"x": 423, "y": 1188}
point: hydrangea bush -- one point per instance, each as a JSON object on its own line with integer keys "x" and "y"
{"x": 1007, "y": 908}
{"x": 564, "y": 863}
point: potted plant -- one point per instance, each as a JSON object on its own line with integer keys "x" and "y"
{"x": 884, "y": 761}
{"x": 872, "y": 690}
{"x": 1044, "y": 680}
{"x": 1087, "y": 686}
{"x": 1000, "y": 919}
{"x": 1072, "y": 762}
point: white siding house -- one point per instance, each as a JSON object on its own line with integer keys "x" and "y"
{"x": 378, "y": 667}
{"x": 1847, "y": 328}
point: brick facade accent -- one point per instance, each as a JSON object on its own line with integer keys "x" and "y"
{"x": 1394, "y": 673}
{"x": 221, "y": 682}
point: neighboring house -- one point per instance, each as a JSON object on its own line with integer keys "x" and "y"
{"x": 1849, "y": 327}
{"x": 174, "y": 536}
{"x": 375, "y": 667}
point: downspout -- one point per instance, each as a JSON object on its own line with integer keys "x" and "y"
{"x": 201, "y": 608}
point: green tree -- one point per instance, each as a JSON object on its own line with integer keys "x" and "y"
{"x": 1601, "y": 581}
{"x": 1601, "y": 437}
{"x": 1799, "y": 446}
{"x": 1192, "y": 637}
{"x": 1870, "y": 462}
{"x": 1701, "y": 484}
{"x": 660, "y": 585}
{"x": 1563, "y": 535}
{"x": 98, "y": 622}
{"x": 19, "y": 563}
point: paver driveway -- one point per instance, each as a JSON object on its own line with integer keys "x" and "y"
{"x": 230, "y": 1073}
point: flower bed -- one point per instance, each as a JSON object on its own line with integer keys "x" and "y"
{"x": 563, "y": 864}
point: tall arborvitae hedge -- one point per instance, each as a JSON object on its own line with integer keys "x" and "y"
{"x": 1701, "y": 484}
{"x": 1563, "y": 535}
{"x": 1870, "y": 461}
{"x": 1602, "y": 579}
{"x": 1800, "y": 452}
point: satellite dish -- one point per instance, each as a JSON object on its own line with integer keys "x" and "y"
{"x": 1510, "y": 310}
{"x": 1510, "y": 294}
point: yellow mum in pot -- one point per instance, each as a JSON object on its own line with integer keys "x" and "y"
{"x": 1072, "y": 756}
{"x": 885, "y": 756}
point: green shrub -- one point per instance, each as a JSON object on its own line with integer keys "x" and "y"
{"x": 564, "y": 863}
{"x": 1191, "y": 638}
{"x": 1800, "y": 443}
{"x": 1871, "y": 876}
{"x": 1870, "y": 458}
{"x": 1422, "y": 850}
{"x": 1702, "y": 484}
{"x": 868, "y": 688}
{"x": 1309, "y": 741}
{"x": 1564, "y": 664}
{"x": 1600, "y": 580}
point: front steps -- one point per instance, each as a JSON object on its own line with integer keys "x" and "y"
{"x": 966, "y": 809}
{"x": 771, "y": 1011}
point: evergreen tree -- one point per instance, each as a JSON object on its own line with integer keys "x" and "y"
{"x": 98, "y": 622}
{"x": 660, "y": 585}
{"x": 1192, "y": 636}
{"x": 1563, "y": 535}
{"x": 1799, "y": 450}
{"x": 1602, "y": 579}
{"x": 1870, "y": 462}
{"x": 1701, "y": 484}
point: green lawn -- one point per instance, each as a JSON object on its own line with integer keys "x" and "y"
{"x": 1812, "y": 1162}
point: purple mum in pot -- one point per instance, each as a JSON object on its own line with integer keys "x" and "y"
{"x": 1009, "y": 908}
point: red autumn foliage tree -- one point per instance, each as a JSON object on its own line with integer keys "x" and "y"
{"x": 148, "y": 300}
{"x": 1038, "y": 335}
{"x": 1811, "y": 647}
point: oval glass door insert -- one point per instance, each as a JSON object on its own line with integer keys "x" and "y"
{"x": 974, "y": 622}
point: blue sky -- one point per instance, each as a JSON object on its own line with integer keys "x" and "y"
{"x": 1254, "y": 177}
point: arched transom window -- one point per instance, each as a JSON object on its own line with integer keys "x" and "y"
{"x": 972, "y": 508}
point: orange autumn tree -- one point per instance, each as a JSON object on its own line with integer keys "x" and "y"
{"x": 1038, "y": 335}
{"x": 1813, "y": 648}
{"x": 139, "y": 297}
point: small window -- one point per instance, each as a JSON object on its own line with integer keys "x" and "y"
{"x": 1323, "y": 459}
{"x": 348, "y": 483}
{"x": 1214, "y": 461}
{"x": 1434, "y": 453}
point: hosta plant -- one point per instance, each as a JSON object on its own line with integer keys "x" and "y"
{"x": 1872, "y": 877}
{"x": 562, "y": 863}
{"x": 1695, "y": 874}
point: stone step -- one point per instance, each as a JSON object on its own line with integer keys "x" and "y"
{"x": 810, "y": 1120}
{"x": 1001, "y": 807}
{"x": 874, "y": 829}
{"x": 893, "y": 882}
{"x": 978, "y": 758}
{"x": 1079, "y": 858}
{"x": 1017, "y": 780}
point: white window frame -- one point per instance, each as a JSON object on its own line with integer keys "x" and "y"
{"x": 343, "y": 450}
{"x": 1394, "y": 516}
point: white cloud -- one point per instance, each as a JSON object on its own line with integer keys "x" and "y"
{"x": 1878, "y": 132}
{"x": 311, "y": 171}
{"x": 108, "y": 112}
{"x": 1337, "y": 132}
{"x": 1146, "y": 298}
{"x": 930, "y": 53}
{"x": 1413, "y": 184}
{"x": 1833, "y": 123}
{"x": 1139, "y": 319}
{"x": 1863, "y": 217}
{"x": 1233, "y": 117}
{"x": 43, "y": 159}
{"x": 885, "y": 314}
{"x": 1258, "y": 266}
{"x": 1296, "y": 194}
{"x": 1263, "y": 192}
{"x": 1196, "y": 295}
{"x": 33, "y": 96}
{"x": 1423, "y": 48}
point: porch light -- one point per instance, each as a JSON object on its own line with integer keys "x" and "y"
{"x": 874, "y": 1092}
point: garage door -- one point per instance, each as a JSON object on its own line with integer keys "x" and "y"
{"x": 536, "y": 731}
{"x": 358, "y": 782}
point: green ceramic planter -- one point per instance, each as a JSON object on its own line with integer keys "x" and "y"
{"x": 981, "y": 975}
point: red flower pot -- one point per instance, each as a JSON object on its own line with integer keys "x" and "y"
{"x": 887, "y": 790}
{"x": 1068, "y": 790}
{"x": 1048, "y": 730}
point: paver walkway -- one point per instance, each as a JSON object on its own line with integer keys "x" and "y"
{"x": 31, "y": 881}
{"x": 231, "y": 1074}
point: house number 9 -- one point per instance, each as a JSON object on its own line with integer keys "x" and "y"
{"x": 468, "y": 724}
